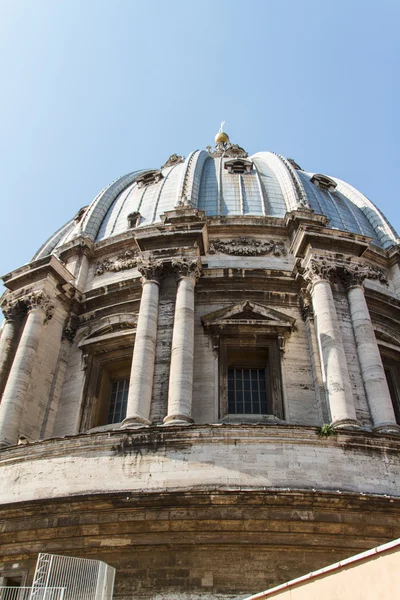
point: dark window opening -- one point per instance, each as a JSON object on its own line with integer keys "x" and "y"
{"x": 248, "y": 382}
{"x": 393, "y": 393}
{"x": 118, "y": 401}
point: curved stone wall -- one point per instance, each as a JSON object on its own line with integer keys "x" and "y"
{"x": 220, "y": 457}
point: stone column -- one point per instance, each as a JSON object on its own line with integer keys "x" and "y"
{"x": 39, "y": 310}
{"x": 12, "y": 315}
{"x": 337, "y": 380}
{"x": 372, "y": 371}
{"x": 144, "y": 352}
{"x": 181, "y": 370}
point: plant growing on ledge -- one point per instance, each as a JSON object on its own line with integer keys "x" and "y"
{"x": 326, "y": 430}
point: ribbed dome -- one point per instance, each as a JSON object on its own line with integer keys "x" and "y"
{"x": 225, "y": 184}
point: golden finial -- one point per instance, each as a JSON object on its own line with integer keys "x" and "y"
{"x": 222, "y": 137}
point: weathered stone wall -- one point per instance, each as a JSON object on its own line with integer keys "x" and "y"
{"x": 198, "y": 544}
{"x": 201, "y": 457}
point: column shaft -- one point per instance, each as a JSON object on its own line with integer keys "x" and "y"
{"x": 142, "y": 372}
{"x": 181, "y": 371}
{"x": 6, "y": 347}
{"x": 372, "y": 371}
{"x": 337, "y": 379}
{"x": 12, "y": 405}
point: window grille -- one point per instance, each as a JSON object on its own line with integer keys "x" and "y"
{"x": 247, "y": 391}
{"x": 118, "y": 401}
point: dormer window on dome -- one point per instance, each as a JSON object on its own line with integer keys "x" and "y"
{"x": 324, "y": 182}
{"x": 239, "y": 166}
{"x": 149, "y": 178}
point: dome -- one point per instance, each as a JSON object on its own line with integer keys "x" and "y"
{"x": 201, "y": 369}
{"x": 223, "y": 183}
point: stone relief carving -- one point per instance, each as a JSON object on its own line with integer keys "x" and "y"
{"x": 244, "y": 246}
{"x": 70, "y": 328}
{"x": 152, "y": 271}
{"x": 173, "y": 160}
{"x": 185, "y": 268}
{"x": 124, "y": 261}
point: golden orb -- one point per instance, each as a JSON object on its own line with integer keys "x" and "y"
{"x": 221, "y": 138}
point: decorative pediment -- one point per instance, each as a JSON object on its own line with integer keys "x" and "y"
{"x": 248, "y": 316}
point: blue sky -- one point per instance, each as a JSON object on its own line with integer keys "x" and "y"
{"x": 93, "y": 89}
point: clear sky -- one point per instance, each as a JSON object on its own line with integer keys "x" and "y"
{"x": 93, "y": 89}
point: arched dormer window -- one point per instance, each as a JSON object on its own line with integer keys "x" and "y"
{"x": 149, "y": 178}
{"x": 324, "y": 182}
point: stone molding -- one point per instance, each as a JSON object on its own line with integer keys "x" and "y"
{"x": 152, "y": 271}
{"x": 124, "y": 261}
{"x": 245, "y": 246}
{"x": 183, "y": 268}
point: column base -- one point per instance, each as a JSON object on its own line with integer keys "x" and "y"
{"x": 4, "y": 445}
{"x": 136, "y": 421}
{"x": 388, "y": 428}
{"x": 178, "y": 420}
{"x": 347, "y": 424}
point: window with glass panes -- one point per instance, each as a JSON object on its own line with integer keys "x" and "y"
{"x": 119, "y": 400}
{"x": 247, "y": 381}
{"x": 247, "y": 392}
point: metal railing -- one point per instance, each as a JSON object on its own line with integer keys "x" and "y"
{"x": 82, "y": 578}
{"x": 25, "y": 593}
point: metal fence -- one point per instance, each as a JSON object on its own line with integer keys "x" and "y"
{"x": 82, "y": 578}
{"x": 65, "y": 578}
{"x": 24, "y": 593}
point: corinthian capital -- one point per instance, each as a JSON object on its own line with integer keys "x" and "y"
{"x": 11, "y": 309}
{"x": 187, "y": 268}
{"x": 319, "y": 270}
{"x": 152, "y": 271}
{"x": 37, "y": 300}
{"x": 354, "y": 274}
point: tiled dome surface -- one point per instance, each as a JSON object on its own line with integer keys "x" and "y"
{"x": 271, "y": 188}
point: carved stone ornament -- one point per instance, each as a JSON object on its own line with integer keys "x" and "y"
{"x": 229, "y": 151}
{"x": 306, "y": 309}
{"x": 124, "y": 261}
{"x": 344, "y": 274}
{"x": 245, "y": 246}
{"x": 70, "y": 328}
{"x": 320, "y": 270}
{"x": 37, "y": 300}
{"x": 185, "y": 268}
{"x": 152, "y": 271}
{"x": 357, "y": 274}
{"x": 173, "y": 160}
{"x": 12, "y": 309}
